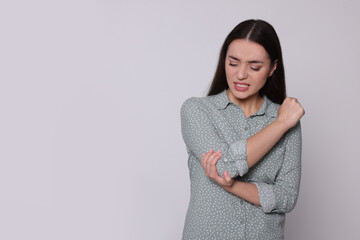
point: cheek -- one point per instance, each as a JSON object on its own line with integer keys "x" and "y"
{"x": 226, "y": 70}
{"x": 227, "y": 74}
{"x": 262, "y": 77}
{"x": 229, "y": 71}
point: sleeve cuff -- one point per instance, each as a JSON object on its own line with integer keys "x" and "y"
{"x": 235, "y": 161}
{"x": 238, "y": 150}
{"x": 266, "y": 196}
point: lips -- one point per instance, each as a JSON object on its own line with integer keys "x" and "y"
{"x": 241, "y": 86}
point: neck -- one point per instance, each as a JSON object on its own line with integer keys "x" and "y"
{"x": 249, "y": 105}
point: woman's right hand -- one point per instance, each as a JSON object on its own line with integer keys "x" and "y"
{"x": 208, "y": 161}
{"x": 290, "y": 112}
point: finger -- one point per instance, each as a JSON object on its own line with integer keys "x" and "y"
{"x": 209, "y": 153}
{"x": 214, "y": 158}
{"x": 215, "y": 176}
{"x": 212, "y": 164}
{"x": 219, "y": 180}
{"x": 302, "y": 108}
{"x": 227, "y": 177}
{"x": 209, "y": 161}
{"x": 205, "y": 158}
{"x": 202, "y": 159}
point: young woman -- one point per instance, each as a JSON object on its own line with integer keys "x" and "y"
{"x": 244, "y": 148}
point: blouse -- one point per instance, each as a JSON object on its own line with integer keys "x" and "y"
{"x": 214, "y": 122}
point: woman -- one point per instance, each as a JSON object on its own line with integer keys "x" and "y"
{"x": 244, "y": 148}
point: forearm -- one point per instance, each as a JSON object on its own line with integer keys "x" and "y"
{"x": 245, "y": 190}
{"x": 248, "y": 152}
{"x": 259, "y": 144}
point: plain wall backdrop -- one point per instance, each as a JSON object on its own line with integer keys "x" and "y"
{"x": 90, "y": 98}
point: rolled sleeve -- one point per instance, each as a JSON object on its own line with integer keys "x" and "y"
{"x": 236, "y": 157}
{"x": 266, "y": 196}
{"x": 200, "y": 135}
{"x": 281, "y": 196}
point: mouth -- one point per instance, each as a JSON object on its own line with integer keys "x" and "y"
{"x": 241, "y": 86}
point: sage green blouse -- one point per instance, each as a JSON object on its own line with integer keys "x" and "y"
{"x": 214, "y": 122}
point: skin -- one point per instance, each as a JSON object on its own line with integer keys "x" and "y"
{"x": 248, "y": 63}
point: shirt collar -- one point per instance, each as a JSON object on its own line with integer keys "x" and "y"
{"x": 221, "y": 100}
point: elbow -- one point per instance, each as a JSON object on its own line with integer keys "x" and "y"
{"x": 222, "y": 167}
{"x": 288, "y": 204}
{"x": 291, "y": 202}
{"x": 235, "y": 169}
{"x": 288, "y": 207}
{"x": 284, "y": 202}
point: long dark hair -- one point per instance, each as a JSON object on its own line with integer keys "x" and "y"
{"x": 264, "y": 34}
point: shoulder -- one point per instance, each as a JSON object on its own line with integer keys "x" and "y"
{"x": 197, "y": 103}
{"x": 189, "y": 105}
{"x": 190, "y": 102}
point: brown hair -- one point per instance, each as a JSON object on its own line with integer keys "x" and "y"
{"x": 264, "y": 34}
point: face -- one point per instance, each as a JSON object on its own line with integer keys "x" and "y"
{"x": 247, "y": 66}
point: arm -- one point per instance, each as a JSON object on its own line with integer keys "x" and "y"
{"x": 261, "y": 143}
{"x": 280, "y": 196}
{"x": 200, "y": 136}
{"x": 245, "y": 190}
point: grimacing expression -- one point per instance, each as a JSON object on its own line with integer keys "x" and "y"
{"x": 247, "y": 67}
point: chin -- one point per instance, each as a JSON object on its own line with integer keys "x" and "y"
{"x": 242, "y": 96}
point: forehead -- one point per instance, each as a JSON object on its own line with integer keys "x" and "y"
{"x": 247, "y": 50}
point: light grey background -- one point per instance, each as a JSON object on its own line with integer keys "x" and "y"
{"x": 90, "y": 95}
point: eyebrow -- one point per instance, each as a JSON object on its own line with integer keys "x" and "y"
{"x": 252, "y": 61}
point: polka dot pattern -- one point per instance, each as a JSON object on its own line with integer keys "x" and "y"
{"x": 214, "y": 122}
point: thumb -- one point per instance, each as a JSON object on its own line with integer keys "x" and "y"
{"x": 227, "y": 177}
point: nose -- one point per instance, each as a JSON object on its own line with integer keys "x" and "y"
{"x": 241, "y": 72}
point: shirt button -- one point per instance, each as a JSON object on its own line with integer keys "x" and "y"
{"x": 225, "y": 160}
{"x": 241, "y": 202}
{"x": 246, "y": 128}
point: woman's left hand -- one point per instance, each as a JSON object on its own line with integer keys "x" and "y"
{"x": 208, "y": 161}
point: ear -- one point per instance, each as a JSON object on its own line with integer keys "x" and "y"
{"x": 273, "y": 68}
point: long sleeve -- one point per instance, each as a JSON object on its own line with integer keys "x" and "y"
{"x": 200, "y": 135}
{"x": 281, "y": 196}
